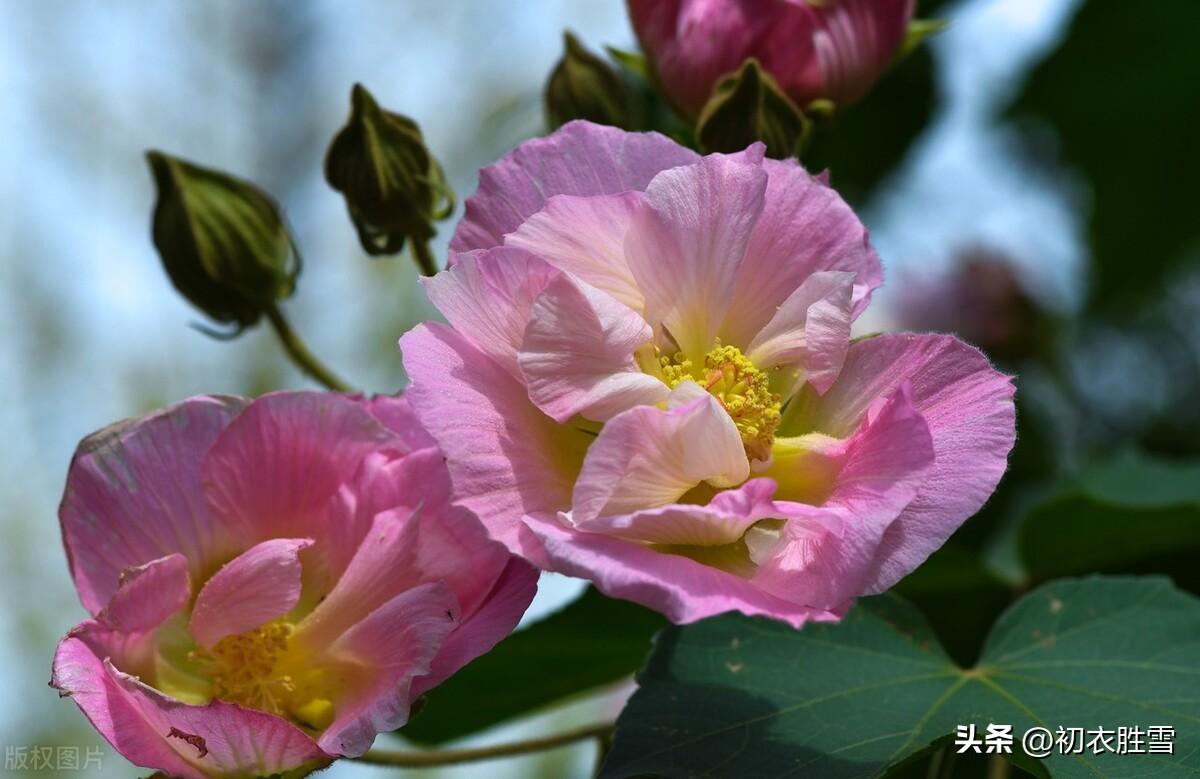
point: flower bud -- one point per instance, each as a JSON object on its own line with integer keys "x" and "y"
{"x": 584, "y": 86}
{"x": 749, "y": 106}
{"x": 223, "y": 241}
{"x": 394, "y": 188}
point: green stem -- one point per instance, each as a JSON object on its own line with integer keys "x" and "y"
{"x": 424, "y": 257}
{"x": 299, "y": 353}
{"x": 454, "y": 756}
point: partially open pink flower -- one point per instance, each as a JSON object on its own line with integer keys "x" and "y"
{"x": 832, "y": 49}
{"x": 648, "y": 381}
{"x": 272, "y": 582}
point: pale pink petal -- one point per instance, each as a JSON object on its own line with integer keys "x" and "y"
{"x": 648, "y": 457}
{"x": 274, "y": 469}
{"x": 686, "y": 243}
{"x": 507, "y": 459}
{"x": 678, "y": 587}
{"x": 969, "y": 409}
{"x": 396, "y": 414}
{"x": 805, "y": 228}
{"x": 580, "y": 158}
{"x": 487, "y": 296}
{"x": 809, "y": 333}
{"x": 825, "y": 555}
{"x": 398, "y": 641}
{"x": 484, "y": 626}
{"x": 577, "y": 356}
{"x": 252, "y": 589}
{"x": 585, "y": 236}
{"x": 157, "y": 732}
{"x": 148, "y": 594}
{"x": 724, "y": 520}
{"x": 134, "y": 495}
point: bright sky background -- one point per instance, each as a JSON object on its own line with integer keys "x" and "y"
{"x": 94, "y": 333}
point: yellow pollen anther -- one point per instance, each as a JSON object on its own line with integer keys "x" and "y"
{"x": 743, "y": 390}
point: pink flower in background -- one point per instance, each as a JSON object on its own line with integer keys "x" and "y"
{"x": 648, "y": 381}
{"x": 832, "y": 49}
{"x": 271, "y": 583}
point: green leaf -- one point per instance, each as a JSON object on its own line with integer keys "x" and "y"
{"x": 592, "y": 642}
{"x": 1132, "y": 514}
{"x": 736, "y": 696}
{"x": 1127, "y": 123}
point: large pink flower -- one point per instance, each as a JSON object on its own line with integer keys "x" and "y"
{"x": 271, "y": 582}
{"x": 648, "y": 381}
{"x": 832, "y": 49}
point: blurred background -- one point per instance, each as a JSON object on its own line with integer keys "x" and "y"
{"x": 988, "y": 217}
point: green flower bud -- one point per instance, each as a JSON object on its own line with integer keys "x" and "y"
{"x": 223, "y": 241}
{"x": 749, "y": 106}
{"x": 394, "y": 188}
{"x": 584, "y": 86}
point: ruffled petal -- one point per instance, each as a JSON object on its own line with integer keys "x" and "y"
{"x": 506, "y": 458}
{"x": 274, "y": 469}
{"x": 686, "y": 243}
{"x": 580, "y": 158}
{"x": 585, "y": 236}
{"x": 396, "y": 414}
{"x": 805, "y": 228}
{"x": 680, "y": 588}
{"x": 487, "y": 296}
{"x": 148, "y": 595}
{"x": 398, "y": 641}
{"x": 968, "y": 407}
{"x": 155, "y": 731}
{"x": 648, "y": 457}
{"x": 724, "y": 520}
{"x": 257, "y": 586}
{"x": 134, "y": 495}
{"x": 809, "y": 333}
{"x": 577, "y": 356}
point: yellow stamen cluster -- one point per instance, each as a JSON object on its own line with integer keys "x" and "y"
{"x": 252, "y": 669}
{"x": 743, "y": 390}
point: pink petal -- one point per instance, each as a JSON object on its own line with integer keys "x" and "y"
{"x": 805, "y": 228}
{"x": 487, "y": 296}
{"x": 679, "y": 587}
{"x": 134, "y": 495}
{"x": 483, "y": 627}
{"x": 585, "y": 236}
{"x": 577, "y": 356}
{"x": 252, "y": 589}
{"x": 273, "y": 471}
{"x": 825, "y": 556}
{"x": 398, "y": 642}
{"x": 723, "y": 521}
{"x": 810, "y": 330}
{"x": 969, "y": 409}
{"x": 855, "y": 41}
{"x": 647, "y": 457}
{"x": 154, "y": 731}
{"x": 148, "y": 594}
{"x": 396, "y": 414}
{"x": 686, "y": 244}
{"x": 507, "y": 459}
{"x": 580, "y": 158}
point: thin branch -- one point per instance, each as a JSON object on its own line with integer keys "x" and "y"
{"x": 454, "y": 756}
{"x": 299, "y": 354}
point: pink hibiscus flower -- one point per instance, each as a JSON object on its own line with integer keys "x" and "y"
{"x": 648, "y": 381}
{"x": 271, "y": 583}
{"x": 834, "y": 49}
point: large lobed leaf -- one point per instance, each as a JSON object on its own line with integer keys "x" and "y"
{"x": 741, "y": 697}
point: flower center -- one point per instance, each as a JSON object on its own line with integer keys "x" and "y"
{"x": 256, "y": 670}
{"x": 743, "y": 390}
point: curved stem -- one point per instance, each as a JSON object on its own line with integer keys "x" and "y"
{"x": 299, "y": 353}
{"x": 424, "y": 257}
{"x": 452, "y": 756}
